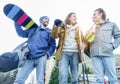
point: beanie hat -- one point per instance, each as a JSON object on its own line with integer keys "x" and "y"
{"x": 41, "y": 18}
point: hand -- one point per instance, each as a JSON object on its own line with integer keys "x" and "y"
{"x": 58, "y": 22}
{"x": 16, "y": 23}
{"x": 82, "y": 46}
{"x": 46, "y": 56}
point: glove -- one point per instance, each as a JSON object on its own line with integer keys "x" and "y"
{"x": 58, "y": 22}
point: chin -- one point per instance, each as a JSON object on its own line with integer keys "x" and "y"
{"x": 45, "y": 25}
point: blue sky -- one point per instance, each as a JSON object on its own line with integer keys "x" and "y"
{"x": 54, "y": 9}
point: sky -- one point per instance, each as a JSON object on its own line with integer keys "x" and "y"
{"x": 54, "y": 9}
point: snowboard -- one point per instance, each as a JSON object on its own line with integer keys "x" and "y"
{"x": 16, "y": 14}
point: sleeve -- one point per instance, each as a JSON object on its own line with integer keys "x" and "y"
{"x": 55, "y": 31}
{"x": 20, "y": 31}
{"x": 116, "y": 36}
{"x": 52, "y": 47}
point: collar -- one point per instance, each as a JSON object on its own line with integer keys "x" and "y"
{"x": 101, "y": 24}
{"x": 74, "y": 26}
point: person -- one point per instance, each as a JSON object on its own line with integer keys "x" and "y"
{"x": 71, "y": 40}
{"x": 41, "y": 46}
{"x": 107, "y": 39}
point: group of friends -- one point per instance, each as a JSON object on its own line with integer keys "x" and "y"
{"x": 68, "y": 51}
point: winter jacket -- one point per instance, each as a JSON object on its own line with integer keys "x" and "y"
{"x": 40, "y": 42}
{"x": 61, "y": 34}
{"x": 107, "y": 38}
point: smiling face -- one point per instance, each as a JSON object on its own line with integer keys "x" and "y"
{"x": 97, "y": 16}
{"x": 45, "y": 22}
{"x": 71, "y": 19}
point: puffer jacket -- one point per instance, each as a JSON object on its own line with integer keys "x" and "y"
{"x": 40, "y": 44}
{"x": 60, "y": 32}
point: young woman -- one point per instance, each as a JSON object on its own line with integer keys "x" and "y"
{"x": 69, "y": 46}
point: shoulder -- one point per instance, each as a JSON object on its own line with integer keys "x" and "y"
{"x": 111, "y": 23}
{"x": 77, "y": 27}
{"x": 48, "y": 30}
{"x": 33, "y": 29}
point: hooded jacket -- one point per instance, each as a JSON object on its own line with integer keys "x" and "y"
{"x": 60, "y": 32}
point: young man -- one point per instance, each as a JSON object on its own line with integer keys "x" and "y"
{"x": 41, "y": 47}
{"x": 101, "y": 48}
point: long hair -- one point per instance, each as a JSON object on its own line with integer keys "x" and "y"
{"x": 67, "y": 20}
{"x": 103, "y": 13}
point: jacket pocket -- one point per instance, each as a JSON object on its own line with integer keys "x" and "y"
{"x": 107, "y": 47}
{"x": 106, "y": 35}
